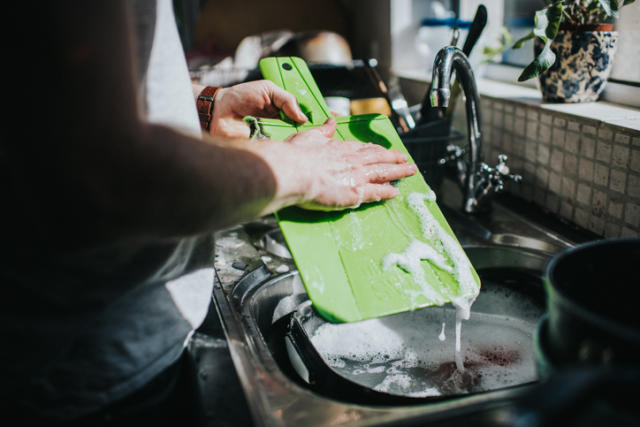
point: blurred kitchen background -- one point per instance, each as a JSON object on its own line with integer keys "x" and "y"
{"x": 580, "y": 163}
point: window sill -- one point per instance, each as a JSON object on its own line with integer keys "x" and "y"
{"x": 619, "y": 115}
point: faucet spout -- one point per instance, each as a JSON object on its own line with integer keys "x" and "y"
{"x": 448, "y": 60}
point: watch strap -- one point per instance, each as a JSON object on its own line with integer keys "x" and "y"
{"x": 204, "y": 105}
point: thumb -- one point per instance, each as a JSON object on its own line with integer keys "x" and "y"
{"x": 328, "y": 128}
{"x": 288, "y": 103}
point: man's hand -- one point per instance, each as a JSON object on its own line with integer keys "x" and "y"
{"x": 343, "y": 174}
{"x": 258, "y": 98}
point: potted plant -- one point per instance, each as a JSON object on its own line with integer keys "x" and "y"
{"x": 574, "y": 46}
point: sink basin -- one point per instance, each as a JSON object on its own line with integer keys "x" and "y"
{"x": 256, "y": 312}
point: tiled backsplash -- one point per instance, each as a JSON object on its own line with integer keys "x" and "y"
{"x": 583, "y": 170}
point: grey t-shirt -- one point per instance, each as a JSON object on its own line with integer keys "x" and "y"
{"x": 81, "y": 331}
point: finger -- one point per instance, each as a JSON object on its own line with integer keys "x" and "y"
{"x": 389, "y": 172}
{"x": 378, "y": 154}
{"x": 328, "y": 128}
{"x": 230, "y": 128}
{"x": 378, "y": 192}
{"x": 288, "y": 103}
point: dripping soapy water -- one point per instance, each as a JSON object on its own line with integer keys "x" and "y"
{"x": 417, "y": 251}
{"x": 442, "y": 335}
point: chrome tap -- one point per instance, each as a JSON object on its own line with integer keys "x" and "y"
{"x": 477, "y": 180}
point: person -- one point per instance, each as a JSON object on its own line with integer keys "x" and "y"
{"x": 112, "y": 192}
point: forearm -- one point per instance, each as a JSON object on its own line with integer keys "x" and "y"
{"x": 197, "y": 186}
{"x": 156, "y": 183}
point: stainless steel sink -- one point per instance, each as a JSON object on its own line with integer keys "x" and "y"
{"x": 254, "y": 302}
{"x": 258, "y": 290}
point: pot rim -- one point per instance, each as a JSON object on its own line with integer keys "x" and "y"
{"x": 603, "y": 322}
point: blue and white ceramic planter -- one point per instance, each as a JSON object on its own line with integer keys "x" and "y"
{"x": 582, "y": 67}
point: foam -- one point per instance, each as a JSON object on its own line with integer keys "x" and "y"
{"x": 403, "y": 354}
{"x": 441, "y": 243}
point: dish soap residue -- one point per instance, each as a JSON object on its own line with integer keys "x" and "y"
{"x": 441, "y": 251}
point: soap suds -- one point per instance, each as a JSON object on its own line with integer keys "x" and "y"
{"x": 399, "y": 355}
{"x": 440, "y": 243}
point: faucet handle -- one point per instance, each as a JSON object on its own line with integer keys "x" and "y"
{"x": 498, "y": 174}
{"x": 500, "y": 171}
{"x": 454, "y": 153}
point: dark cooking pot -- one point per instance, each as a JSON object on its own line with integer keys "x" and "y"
{"x": 588, "y": 344}
{"x": 592, "y": 307}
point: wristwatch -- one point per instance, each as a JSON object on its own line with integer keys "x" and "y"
{"x": 204, "y": 104}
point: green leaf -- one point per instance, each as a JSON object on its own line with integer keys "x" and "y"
{"x": 553, "y": 15}
{"x": 626, "y": 2}
{"x": 520, "y": 42}
{"x": 543, "y": 62}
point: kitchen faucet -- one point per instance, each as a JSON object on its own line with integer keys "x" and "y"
{"x": 478, "y": 180}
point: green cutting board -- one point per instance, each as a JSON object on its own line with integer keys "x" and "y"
{"x": 340, "y": 254}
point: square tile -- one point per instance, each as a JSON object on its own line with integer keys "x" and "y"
{"x": 583, "y": 195}
{"x": 633, "y": 187}
{"x": 507, "y": 142}
{"x": 532, "y": 129}
{"x": 542, "y": 176}
{"x": 487, "y": 114}
{"x": 585, "y": 170}
{"x": 601, "y": 175}
{"x": 555, "y": 182}
{"x": 570, "y": 164}
{"x": 557, "y": 137}
{"x": 508, "y": 122}
{"x": 588, "y": 147}
{"x": 615, "y": 209}
{"x": 596, "y": 224}
{"x": 603, "y": 151}
{"x": 544, "y": 133}
{"x": 543, "y": 154}
{"x": 531, "y": 149}
{"x": 622, "y": 138}
{"x": 605, "y": 132}
{"x": 559, "y": 122}
{"x": 634, "y": 161}
{"x": 599, "y": 202}
{"x": 620, "y": 156}
{"x": 546, "y": 118}
{"x": 571, "y": 142}
{"x": 588, "y": 129}
{"x": 617, "y": 180}
{"x": 573, "y": 125}
{"x": 557, "y": 160}
{"x": 519, "y": 126}
{"x": 632, "y": 214}
{"x": 581, "y": 217}
{"x": 568, "y": 188}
